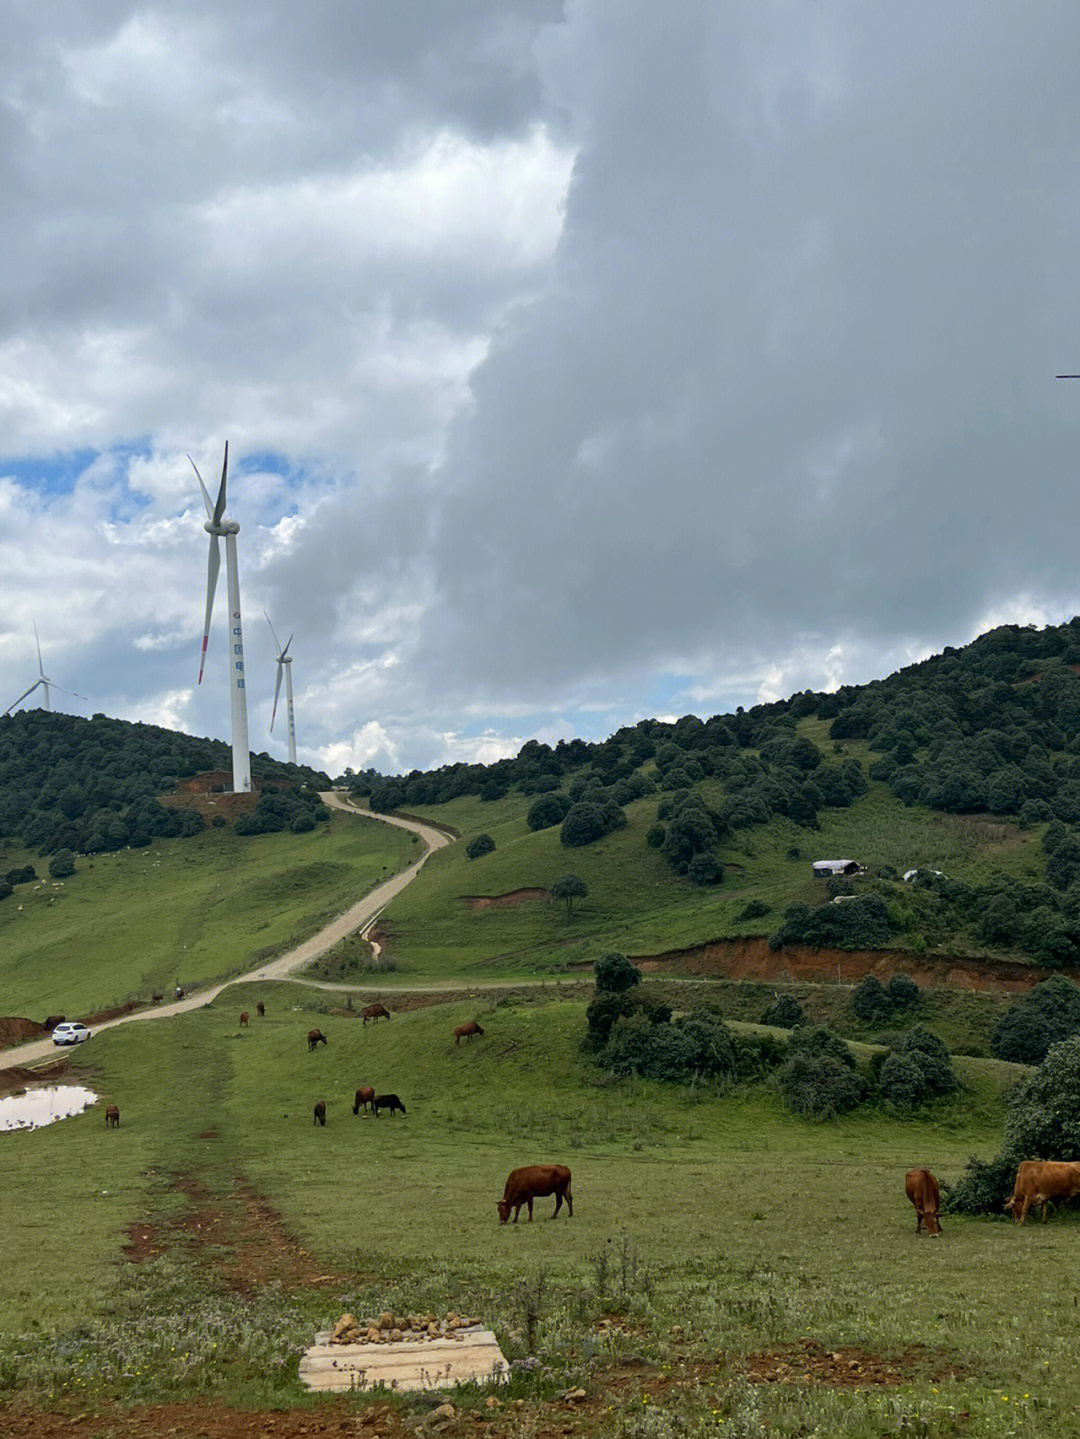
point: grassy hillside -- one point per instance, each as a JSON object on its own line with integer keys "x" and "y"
{"x": 193, "y": 910}
{"x": 638, "y": 904}
{"x": 719, "y": 1213}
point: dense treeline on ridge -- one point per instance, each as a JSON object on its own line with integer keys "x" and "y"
{"x": 990, "y": 729}
{"x": 87, "y": 785}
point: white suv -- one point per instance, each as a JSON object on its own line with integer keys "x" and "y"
{"x": 70, "y": 1032}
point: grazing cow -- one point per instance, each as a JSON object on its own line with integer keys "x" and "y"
{"x": 386, "y": 1101}
{"x": 922, "y": 1190}
{"x": 156, "y": 998}
{"x": 112, "y": 1117}
{"x": 314, "y": 1037}
{"x": 364, "y": 1098}
{"x": 1038, "y": 1181}
{"x": 260, "y": 1009}
{"x": 535, "y": 1181}
{"x": 466, "y": 1031}
{"x": 320, "y": 1112}
{"x": 374, "y": 1011}
{"x": 244, "y": 1019}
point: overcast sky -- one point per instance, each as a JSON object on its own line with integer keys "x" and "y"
{"x": 579, "y": 361}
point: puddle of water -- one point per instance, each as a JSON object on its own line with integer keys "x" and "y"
{"x": 35, "y": 1107}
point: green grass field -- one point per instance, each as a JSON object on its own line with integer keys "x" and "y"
{"x": 187, "y": 910}
{"x": 716, "y": 1225}
{"x": 636, "y": 903}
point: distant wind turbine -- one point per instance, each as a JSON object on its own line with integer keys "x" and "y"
{"x": 42, "y": 681}
{"x": 284, "y": 664}
{"x": 216, "y": 526}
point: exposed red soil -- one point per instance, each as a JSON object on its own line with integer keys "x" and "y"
{"x": 14, "y": 1030}
{"x": 102, "y": 1016}
{"x": 241, "y": 1237}
{"x": 492, "y": 901}
{"x": 19, "y": 1077}
{"x": 208, "y": 805}
{"x": 809, "y": 1363}
{"x": 751, "y": 958}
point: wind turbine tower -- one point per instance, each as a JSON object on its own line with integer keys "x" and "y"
{"x": 42, "y": 681}
{"x": 217, "y": 526}
{"x": 284, "y": 665}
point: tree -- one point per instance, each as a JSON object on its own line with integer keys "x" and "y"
{"x": 478, "y": 845}
{"x": 785, "y": 1013}
{"x": 62, "y": 864}
{"x": 569, "y": 888}
{"x": 902, "y": 992}
{"x": 614, "y": 973}
{"x": 870, "y": 1003}
{"x": 549, "y": 809}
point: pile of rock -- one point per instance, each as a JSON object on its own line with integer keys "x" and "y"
{"x": 394, "y": 1328}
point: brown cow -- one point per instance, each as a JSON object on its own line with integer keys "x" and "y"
{"x": 364, "y": 1098}
{"x": 244, "y": 1017}
{"x": 260, "y": 1009}
{"x": 112, "y": 1117}
{"x": 922, "y": 1190}
{"x": 320, "y": 1113}
{"x": 466, "y": 1031}
{"x": 535, "y": 1181}
{"x": 314, "y": 1037}
{"x": 1038, "y": 1181}
{"x": 374, "y": 1011}
{"x": 156, "y": 998}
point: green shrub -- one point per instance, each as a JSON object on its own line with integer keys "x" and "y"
{"x": 819, "y": 1086}
{"x": 784, "y": 1013}
{"x": 983, "y": 1187}
{"x": 902, "y": 992}
{"x": 821, "y": 1042}
{"x": 901, "y": 1080}
{"x": 62, "y": 864}
{"x": 548, "y": 810}
{"x": 589, "y": 821}
{"x": 302, "y": 823}
{"x": 656, "y": 836}
{"x": 870, "y": 1002}
{"x": 480, "y": 844}
{"x": 613, "y": 973}
{"x": 756, "y": 909}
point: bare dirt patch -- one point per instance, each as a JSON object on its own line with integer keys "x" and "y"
{"x": 14, "y": 1030}
{"x": 809, "y": 1362}
{"x": 102, "y": 1016}
{"x": 238, "y": 1235}
{"x": 500, "y": 901}
{"x": 19, "y": 1077}
{"x": 751, "y": 958}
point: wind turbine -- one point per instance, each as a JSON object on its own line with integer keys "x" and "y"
{"x": 216, "y": 526}
{"x": 284, "y": 664}
{"x": 42, "y": 681}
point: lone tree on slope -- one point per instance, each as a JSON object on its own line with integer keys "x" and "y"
{"x": 569, "y": 888}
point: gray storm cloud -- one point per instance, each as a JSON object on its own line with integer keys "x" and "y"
{"x": 758, "y": 395}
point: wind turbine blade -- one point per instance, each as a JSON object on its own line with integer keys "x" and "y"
{"x": 40, "y": 666}
{"x": 277, "y": 691}
{"x": 206, "y": 497}
{"x": 285, "y": 651}
{"x": 211, "y": 583}
{"x": 63, "y": 691}
{"x": 19, "y": 701}
{"x": 219, "y": 508}
{"x": 273, "y": 631}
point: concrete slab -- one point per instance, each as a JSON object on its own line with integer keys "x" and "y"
{"x": 408, "y": 1364}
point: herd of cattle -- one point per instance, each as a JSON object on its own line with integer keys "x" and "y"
{"x": 1038, "y": 1182}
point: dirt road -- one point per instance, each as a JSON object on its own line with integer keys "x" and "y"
{"x": 358, "y": 916}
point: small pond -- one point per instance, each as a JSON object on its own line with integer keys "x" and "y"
{"x": 35, "y": 1107}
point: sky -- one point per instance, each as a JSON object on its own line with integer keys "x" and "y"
{"x": 580, "y": 360}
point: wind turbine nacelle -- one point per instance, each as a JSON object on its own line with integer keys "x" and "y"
{"x": 227, "y": 527}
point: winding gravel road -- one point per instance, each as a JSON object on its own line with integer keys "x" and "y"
{"x": 358, "y": 916}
